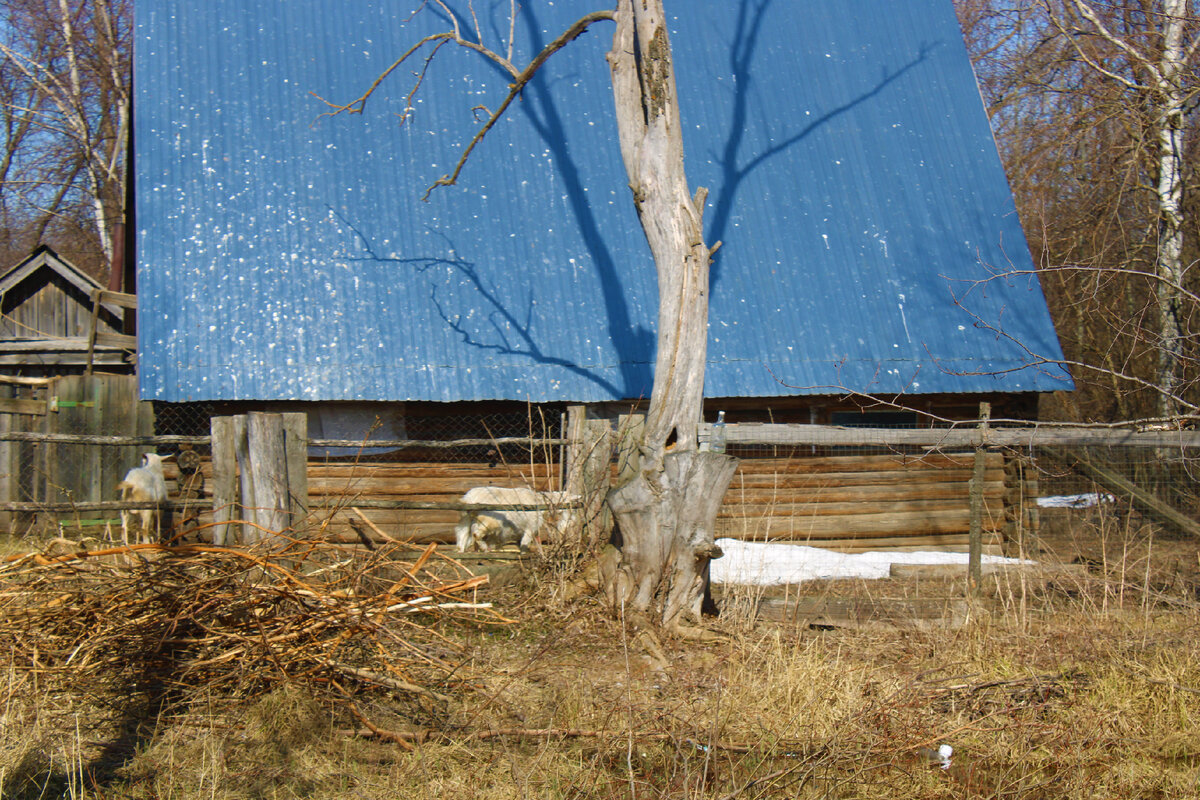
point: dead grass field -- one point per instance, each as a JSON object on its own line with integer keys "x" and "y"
{"x": 1084, "y": 688}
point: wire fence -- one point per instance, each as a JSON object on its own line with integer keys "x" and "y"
{"x": 795, "y": 488}
{"x": 367, "y": 425}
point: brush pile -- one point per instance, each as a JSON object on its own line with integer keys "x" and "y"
{"x": 157, "y": 619}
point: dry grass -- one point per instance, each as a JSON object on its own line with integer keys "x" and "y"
{"x": 1061, "y": 690}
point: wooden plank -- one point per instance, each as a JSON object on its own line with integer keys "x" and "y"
{"x": 858, "y": 494}
{"x": 117, "y": 440}
{"x": 93, "y": 324}
{"x": 10, "y": 405}
{"x": 73, "y": 467}
{"x": 870, "y": 463}
{"x": 951, "y": 543}
{"x": 437, "y": 444}
{"x": 223, "y": 478}
{"x": 855, "y": 612}
{"x": 244, "y": 510}
{"x": 418, "y": 485}
{"x": 121, "y": 340}
{"x": 295, "y": 441}
{"x": 943, "y": 438}
{"x": 120, "y": 299}
{"x": 854, "y": 526}
{"x": 864, "y": 479}
{"x": 1147, "y": 503}
{"x": 804, "y": 510}
{"x": 268, "y": 464}
{"x": 10, "y": 466}
{"x": 20, "y": 380}
{"x": 1013, "y": 571}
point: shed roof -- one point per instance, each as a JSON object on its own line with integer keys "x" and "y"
{"x": 44, "y": 258}
{"x": 870, "y": 239}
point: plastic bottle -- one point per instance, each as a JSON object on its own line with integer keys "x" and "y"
{"x": 717, "y": 440}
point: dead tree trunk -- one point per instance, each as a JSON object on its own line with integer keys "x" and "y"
{"x": 667, "y": 512}
{"x": 668, "y": 509}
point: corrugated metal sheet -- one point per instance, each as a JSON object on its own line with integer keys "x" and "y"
{"x": 852, "y": 176}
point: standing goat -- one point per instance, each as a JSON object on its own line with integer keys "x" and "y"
{"x": 144, "y": 484}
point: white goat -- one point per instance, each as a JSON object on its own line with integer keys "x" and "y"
{"x": 144, "y": 484}
{"x": 485, "y": 530}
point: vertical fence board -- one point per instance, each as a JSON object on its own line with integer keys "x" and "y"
{"x": 588, "y": 466}
{"x": 245, "y": 511}
{"x": 224, "y": 479}
{"x": 97, "y": 405}
{"x": 295, "y": 441}
{"x": 259, "y": 474}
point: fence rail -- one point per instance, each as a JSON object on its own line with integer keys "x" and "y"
{"x": 966, "y": 436}
{"x": 200, "y": 441}
{"x": 818, "y": 484}
{"x": 748, "y": 433}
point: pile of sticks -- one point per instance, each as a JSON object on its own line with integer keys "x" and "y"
{"x": 333, "y": 619}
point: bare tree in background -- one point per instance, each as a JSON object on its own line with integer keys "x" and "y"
{"x": 1149, "y": 50}
{"x": 1093, "y": 109}
{"x": 65, "y": 92}
{"x": 667, "y": 512}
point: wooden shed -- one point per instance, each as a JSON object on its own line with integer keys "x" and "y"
{"x": 58, "y": 326}
{"x": 46, "y": 318}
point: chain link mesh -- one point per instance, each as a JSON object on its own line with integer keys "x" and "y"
{"x": 1072, "y": 483}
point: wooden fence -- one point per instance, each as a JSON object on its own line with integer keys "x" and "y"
{"x": 917, "y": 495}
{"x": 58, "y": 466}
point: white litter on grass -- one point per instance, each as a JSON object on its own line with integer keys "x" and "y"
{"x": 769, "y": 564}
{"x": 1075, "y": 500}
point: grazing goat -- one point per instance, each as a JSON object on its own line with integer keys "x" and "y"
{"x": 485, "y": 530}
{"x": 144, "y": 484}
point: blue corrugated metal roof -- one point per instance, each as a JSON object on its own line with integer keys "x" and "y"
{"x": 852, "y": 174}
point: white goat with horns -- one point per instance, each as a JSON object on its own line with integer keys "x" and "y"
{"x": 144, "y": 484}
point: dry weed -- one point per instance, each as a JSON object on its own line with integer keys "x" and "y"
{"x": 1047, "y": 692}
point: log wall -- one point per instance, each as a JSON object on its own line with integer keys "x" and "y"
{"x": 335, "y": 490}
{"x": 856, "y": 503}
{"x": 850, "y": 503}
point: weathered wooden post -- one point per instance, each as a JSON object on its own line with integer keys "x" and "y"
{"x": 224, "y": 479}
{"x": 631, "y": 428}
{"x": 295, "y": 445}
{"x": 975, "y": 534}
{"x": 259, "y": 475}
{"x": 267, "y": 466}
{"x": 589, "y": 455}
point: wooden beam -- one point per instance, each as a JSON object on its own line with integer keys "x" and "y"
{"x": 849, "y": 611}
{"x": 224, "y": 479}
{"x": 121, "y": 340}
{"x": 16, "y": 406}
{"x": 24, "y": 381}
{"x": 950, "y": 438}
{"x": 115, "y": 441}
{"x": 1150, "y": 505}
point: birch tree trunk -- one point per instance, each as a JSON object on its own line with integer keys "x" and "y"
{"x": 667, "y": 512}
{"x": 1171, "y": 99}
{"x": 1161, "y": 71}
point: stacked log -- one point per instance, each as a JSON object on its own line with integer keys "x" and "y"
{"x": 850, "y": 503}
{"x": 855, "y": 503}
